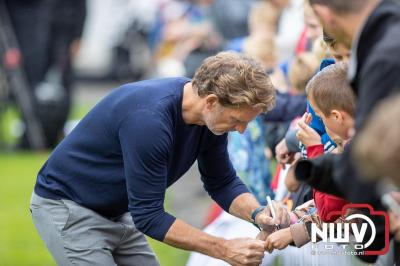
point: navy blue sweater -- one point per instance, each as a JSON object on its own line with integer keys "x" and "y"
{"x": 129, "y": 148}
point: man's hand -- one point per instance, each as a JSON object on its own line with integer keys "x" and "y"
{"x": 266, "y": 222}
{"x": 283, "y": 155}
{"x": 240, "y": 251}
{"x": 244, "y": 251}
{"x": 263, "y": 235}
{"x": 278, "y": 240}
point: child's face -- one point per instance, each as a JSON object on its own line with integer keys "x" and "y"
{"x": 314, "y": 28}
{"x": 335, "y": 122}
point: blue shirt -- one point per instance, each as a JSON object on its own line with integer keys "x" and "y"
{"x": 248, "y": 158}
{"x": 317, "y": 123}
{"x": 129, "y": 148}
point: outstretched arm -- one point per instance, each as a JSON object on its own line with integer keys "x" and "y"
{"x": 239, "y": 251}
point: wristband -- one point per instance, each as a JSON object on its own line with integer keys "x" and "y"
{"x": 254, "y": 214}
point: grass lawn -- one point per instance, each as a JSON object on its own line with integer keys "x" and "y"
{"x": 19, "y": 242}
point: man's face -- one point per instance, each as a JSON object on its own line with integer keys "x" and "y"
{"x": 221, "y": 120}
{"x": 313, "y": 26}
{"x": 330, "y": 23}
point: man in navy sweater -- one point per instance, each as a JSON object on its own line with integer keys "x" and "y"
{"x": 103, "y": 187}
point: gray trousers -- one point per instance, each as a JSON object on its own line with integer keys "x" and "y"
{"x": 76, "y": 235}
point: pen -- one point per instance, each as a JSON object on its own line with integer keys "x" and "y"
{"x": 271, "y": 207}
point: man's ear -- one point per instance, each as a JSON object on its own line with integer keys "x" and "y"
{"x": 337, "y": 115}
{"x": 211, "y": 101}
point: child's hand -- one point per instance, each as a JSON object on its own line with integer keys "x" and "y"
{"x": 266, "y": 221}
{"x": 278, "y": 240}
{"x": 307, "y": 135}
{"x": 283, "y": 155}
{"x": 306, "y": 118}
{"x": 291, "y": 183}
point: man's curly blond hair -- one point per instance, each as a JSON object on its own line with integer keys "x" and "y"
{"x": 237, "y": 80}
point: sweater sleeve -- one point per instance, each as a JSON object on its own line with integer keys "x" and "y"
{"x": 305, "y": 214}
{"x": 287, "y": 108}
{"x": 324, "y": 202}
{"x": 146, "y": 142}
{"x": 218, "y": 175}
{"x": 299, "y": 234}
{"x": 315, "y": 150}
{"x": 292, "y": 142}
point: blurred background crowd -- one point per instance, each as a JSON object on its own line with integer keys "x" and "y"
{"x": 64, "y": 45}
{"x": 58, "y": 58}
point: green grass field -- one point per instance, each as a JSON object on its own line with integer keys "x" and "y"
{"x": 19, "y": 242}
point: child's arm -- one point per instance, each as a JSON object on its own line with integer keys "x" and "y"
{"x": 278, "y": 240}
{"x": 297, "y": 232}
{"x": 307, "y": 214}
{"x": 301, "y": 231}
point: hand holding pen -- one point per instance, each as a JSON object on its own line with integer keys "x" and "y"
{"x": 274, "y": 216}
{"x": 272, "y": 209}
